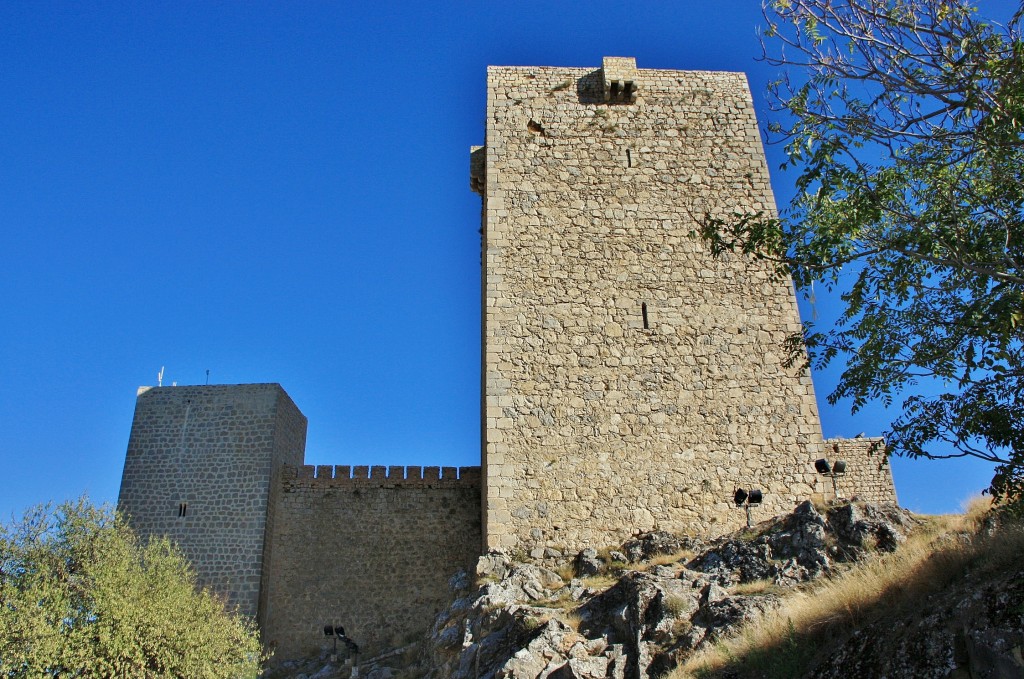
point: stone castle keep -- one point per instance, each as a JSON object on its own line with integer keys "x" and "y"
{"x": 630, "y": 380}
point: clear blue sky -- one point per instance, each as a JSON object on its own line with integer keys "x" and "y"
{"x": 279, "y": 192}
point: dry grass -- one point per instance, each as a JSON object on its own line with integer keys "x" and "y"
{"x": 534, "y": 623}
{"x": 669, "y": 559}
{"x": 605, "y": 555}
{"x": 562, "y": 601}
{"x": 754, "y": 587}
{"x": 566, "y": 571}
{"x": 600, "y": 582}
{"x": 784, "y": 643}
{"x": 483, "y": 580}
{"x": 572, "y": 619}
{"x": 975, "y": 509}
{"x": 675, "y": 605}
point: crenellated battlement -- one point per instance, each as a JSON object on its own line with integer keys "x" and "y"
{"x": 344, "y": 476}
{"x": 393, "y": 530}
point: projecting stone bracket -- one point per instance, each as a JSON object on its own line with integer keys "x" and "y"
{"x": 477, "y": 168}
{"x": 618, "y": 79}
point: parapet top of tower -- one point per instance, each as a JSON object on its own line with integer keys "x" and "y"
{"x": 591, "y": 103}
{"x": 617, "y": 81}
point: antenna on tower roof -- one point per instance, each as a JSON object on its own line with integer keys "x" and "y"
{"x": 160, "y": 377}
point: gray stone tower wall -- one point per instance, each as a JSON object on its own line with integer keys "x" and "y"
{"x": 369, "y": 548}
{"x": 631, "y": 380}
{"x": 200, "y": 468}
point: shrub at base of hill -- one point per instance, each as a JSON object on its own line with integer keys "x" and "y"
{"x": 80, "y": 595}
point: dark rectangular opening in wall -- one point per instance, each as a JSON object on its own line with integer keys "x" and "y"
{"x": 182, "y": 510}
{"x": 629, "y": 158}
{"x": 643, "y": 310}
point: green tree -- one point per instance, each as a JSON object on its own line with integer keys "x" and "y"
{"x": 903, "y": 121}
{"x": 81, "y": 596}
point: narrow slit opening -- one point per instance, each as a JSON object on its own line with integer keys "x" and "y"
{"x": 629, "y": 158}
{"x": 182, "y": 510}
{"x": 643, "y": 310}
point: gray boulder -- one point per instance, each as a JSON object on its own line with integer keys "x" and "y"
{"x": 544, "y": 652}
{"x": 524, "y": 582}
{"x": 642, "y": 612}
{"x": 459, "y": 582}
{"x": 494, "y": 565}
{"x": 864, "y": 527}
{"x": 583, "y": 668}
{"x": 718, "y": 616}
{"x": 587, "y": 563}
{"x": 648, "y": 545}
{"x": 616, "y": 555}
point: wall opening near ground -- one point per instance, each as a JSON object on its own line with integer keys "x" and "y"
{"x": 368, "y": 548}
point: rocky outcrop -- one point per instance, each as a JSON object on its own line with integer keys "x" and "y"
{"x": 639, "y": 620}
{"x": 805, "y": 544}
{"x": 649, "y": 545}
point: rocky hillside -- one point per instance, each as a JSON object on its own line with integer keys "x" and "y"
{"x": 849, "y": 590}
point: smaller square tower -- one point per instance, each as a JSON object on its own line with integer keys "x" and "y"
{"x": 203, "y": 468}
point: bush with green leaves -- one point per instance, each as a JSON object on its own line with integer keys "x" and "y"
{"x": 82, "y": 596}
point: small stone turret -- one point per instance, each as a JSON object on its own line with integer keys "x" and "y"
{"x": 618, "y": 79}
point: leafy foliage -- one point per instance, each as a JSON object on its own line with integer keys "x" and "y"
{"x": 903, "y": 119}
{"x": 80, "y": 596}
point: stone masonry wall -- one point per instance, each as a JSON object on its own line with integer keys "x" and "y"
{"x": 868, "y": 472}
{"x": 632, "y": 381}
{"x": 289, "y": 436}
{"x": 198, "y": 469}
{"x": 371, "y": 549}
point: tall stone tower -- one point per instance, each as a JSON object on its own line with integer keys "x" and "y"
{"x": 204, "y": 468}
{"x": 631, "y": 381}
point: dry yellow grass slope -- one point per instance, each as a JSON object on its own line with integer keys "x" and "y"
{"x": 786, "y": 642}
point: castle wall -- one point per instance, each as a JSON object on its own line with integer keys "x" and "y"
{"x": 198, "y": 469}
{"x": 371, "y": 549}
{"x": 632, "y": 381}
{"x": 868, "y": 472}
